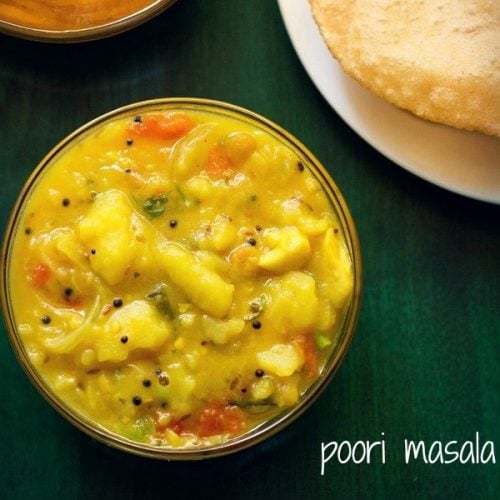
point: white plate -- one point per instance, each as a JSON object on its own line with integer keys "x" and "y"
{"x": 467, "y": 163}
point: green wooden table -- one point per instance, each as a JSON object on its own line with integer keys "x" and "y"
{"x": 424, "y": 363}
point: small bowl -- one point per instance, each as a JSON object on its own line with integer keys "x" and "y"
{"x": 100, "y": 28}
{"x": 345, "y": 328}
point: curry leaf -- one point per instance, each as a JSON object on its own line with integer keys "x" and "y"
{"x": 155, "y": 205}
{"x": 159, "y": 296}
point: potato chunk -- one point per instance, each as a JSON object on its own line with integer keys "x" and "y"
{"x": 64, "y": 261}
{"x": 178, "y": 392}
{"x": 332, "y": 267}
{"x": 224, "y": 234}
{"x": 219, "y": 235}
{"x": 220, "y": 331}
{"x": 293, "y": 305}
{"x": 141, "y": 323}
{"x": 192, "y": 149}
{"x": 204, "y": 287}
{"x": 281, "y": 359}
{"x": 290, "y": 249}
{"x": 115, "y": 232}
{"x": 295, "y": 211}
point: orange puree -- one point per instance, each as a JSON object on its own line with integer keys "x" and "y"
{"x": 67, "y": 15}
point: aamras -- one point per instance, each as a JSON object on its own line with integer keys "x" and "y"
{"x": 178, "y": 277}
{"x": 59, "y": 15}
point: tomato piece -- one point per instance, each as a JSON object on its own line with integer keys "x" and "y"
{"x": 76, "y": 302}
{"x": 178, "y": 425}
{"x": 217, "y": 418}
{"x": 39, "y": 275}
{"x": 307, "y": 345}
{"x": 214, "y": 419}
{"x": 161, "y": 126}
{"x": 218, "y": 163}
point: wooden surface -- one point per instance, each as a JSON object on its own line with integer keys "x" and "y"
{"x": 424, "y": 363}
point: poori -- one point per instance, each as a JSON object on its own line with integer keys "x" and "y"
{"x": 438, "y": 59}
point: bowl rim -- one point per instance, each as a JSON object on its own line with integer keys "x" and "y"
{"x": 90, "y": 33}
{"x": 346, "y": 331}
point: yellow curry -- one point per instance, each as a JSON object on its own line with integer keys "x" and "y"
{"x": 65, "y": 15}
{"x": 179, "y": 277}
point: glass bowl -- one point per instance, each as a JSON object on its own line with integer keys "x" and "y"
{"x": 104, "y": 26}
{"x": 345, "y": 329}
